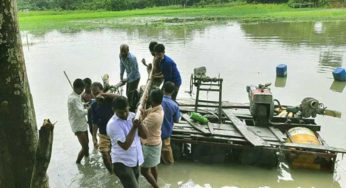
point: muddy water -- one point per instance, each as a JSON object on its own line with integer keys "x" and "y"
{"x": 241, "y": 53}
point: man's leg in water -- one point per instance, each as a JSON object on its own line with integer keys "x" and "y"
{"x": 84, "y": 142}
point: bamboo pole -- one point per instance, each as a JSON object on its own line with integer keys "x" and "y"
{"x": 145, "y": 96}
{"x": 68, "y": 80}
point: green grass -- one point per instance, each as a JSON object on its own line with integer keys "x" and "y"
{"x": 65, "y": 20}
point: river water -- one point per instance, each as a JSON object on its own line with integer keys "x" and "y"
{"x": 241, "y": 53}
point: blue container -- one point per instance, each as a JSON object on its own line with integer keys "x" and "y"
{"x": 339, "y": 74}
{"x": 281, "y": 70}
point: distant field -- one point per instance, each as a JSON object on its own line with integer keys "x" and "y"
{"x": 47, "y": 20}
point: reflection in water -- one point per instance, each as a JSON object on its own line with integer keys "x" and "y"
{"x": 201, "y": 175}
{"x": 242, "y": 53}
{"x": 191, "y": 184}
{"x": 330, "y": 58}
{"x": 284, "y": 172}
{"x": 280, "y": 81}
{"x": 318, "y": 27}
{"x": 92, "y": 174}
{"x": 298, "y": 33}
{"x": 314, "y": 34}
{"x": 338, "y": 86}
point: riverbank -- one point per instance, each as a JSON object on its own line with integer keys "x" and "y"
{"x": 165, "y": 16}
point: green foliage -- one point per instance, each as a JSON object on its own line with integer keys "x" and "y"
{"x": 267, "y": 1}
{"x": 170, "y": 16}
{"x": 307, "y": 3}
{"x": 108, "y": 4}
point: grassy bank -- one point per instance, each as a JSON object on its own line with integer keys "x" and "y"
{"x": 47, "y": 20}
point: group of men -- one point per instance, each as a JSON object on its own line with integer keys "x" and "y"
{"x": 127, "y": 143}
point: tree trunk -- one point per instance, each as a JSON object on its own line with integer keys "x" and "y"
{"x": 18, "y": 132}
{"x": 43, "y": 154}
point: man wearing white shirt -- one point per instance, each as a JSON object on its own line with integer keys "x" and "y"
{"x": 77, "y": 117}
{"x": 126, "y": 151}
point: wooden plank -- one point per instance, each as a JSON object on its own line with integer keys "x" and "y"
{"x": 211, "y": 127}
{"x": 215, "y": 126}
{"x": 197, "y": 126}
{"x": 240, "y": 113}
{"x": 242, "y": 128}
{"x": 228, "y": 130}
{"x": 217, "y": 133}
{"x": 281, "y": 137}
{"x": 210, "y": 138}
{"x": 262, "y": 132}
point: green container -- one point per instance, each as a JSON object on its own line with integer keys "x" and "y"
{"x": 198, "y": 117}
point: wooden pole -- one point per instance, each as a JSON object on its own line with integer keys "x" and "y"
{"x": 68, "y": 80}
{"x": 43, "y": 155}
{"x": 145, "y": 96}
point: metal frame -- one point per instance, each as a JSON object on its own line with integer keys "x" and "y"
{"x": 215, "y": 85}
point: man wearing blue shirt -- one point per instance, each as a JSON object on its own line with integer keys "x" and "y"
{"x": 171, "y": 114}
{"x": 129, "y": 63}
{"x": 168, "y": 68}
{"x": 101, "y": 112}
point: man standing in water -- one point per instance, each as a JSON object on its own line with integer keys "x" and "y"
{"x": 129, "y": 63}
{"x": 87, "y": 97}
{"x": 126, "y": 152}
{"x": 168, "y": 68}
{"x": 172, "y": 114}
{"x": 152, "y": 120}
{"x": 76, "y": 116}
{"x": 155, "y": 65}
{"x": 101, "y": 112}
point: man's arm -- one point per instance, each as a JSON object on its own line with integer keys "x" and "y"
{"x": 129, "y": 138}
{"x": 142, "y": 130}
{"x": 122, "y": 70}
{"x": 144, "y": 62}
{"x": 134, "y": 63}
{"x": 110, "y": 95}
{"x": 176, "y": 115}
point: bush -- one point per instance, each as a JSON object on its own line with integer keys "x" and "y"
{"x": 267, "y": 1}
{"x": 307, "y": 3}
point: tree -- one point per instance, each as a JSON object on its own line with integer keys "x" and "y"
{"x": 18, "y": 132}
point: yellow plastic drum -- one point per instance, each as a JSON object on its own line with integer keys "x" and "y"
{"x": 302, "y": 135}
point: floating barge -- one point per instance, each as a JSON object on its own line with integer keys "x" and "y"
{"x": 256, "y": 133}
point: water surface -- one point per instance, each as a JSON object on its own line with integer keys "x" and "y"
{"x": 241, "y": 53}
